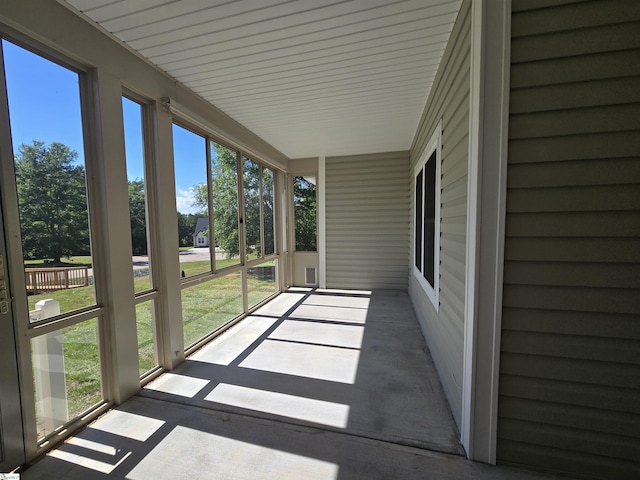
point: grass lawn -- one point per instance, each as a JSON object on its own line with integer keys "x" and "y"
{"x": 75, "y": 260}
{"x": 205, "y": 307}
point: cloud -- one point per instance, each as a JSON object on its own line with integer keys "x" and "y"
{"x": 184, "y": 201}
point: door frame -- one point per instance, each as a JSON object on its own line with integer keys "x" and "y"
{"x": 12, "y": 440}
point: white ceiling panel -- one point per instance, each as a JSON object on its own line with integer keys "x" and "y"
{"x": 311, "y": 77}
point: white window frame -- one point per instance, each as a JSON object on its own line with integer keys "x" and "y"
{"x": 434, "y": 145}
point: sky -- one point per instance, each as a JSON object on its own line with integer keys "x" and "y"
{"x": 44, "y": 104}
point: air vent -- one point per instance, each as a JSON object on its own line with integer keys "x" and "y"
{"x": 310, "y": 274}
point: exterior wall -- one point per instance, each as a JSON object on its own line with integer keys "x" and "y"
{"x": 201, "y": 240}
{"x": 570, "y": 363}
{"x": 449, "y": 101}
{"x": 367, "y": 229}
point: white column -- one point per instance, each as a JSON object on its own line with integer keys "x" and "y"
{"x": 113, "y": 271}
{"x": 48, "y": 372}
{"x": 322, "y": 225}
{"x": 486, "y": 201}
{"x": 167, "y": 276}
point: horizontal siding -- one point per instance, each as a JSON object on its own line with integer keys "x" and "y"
{"x": 569, "y": 398}
{"x": 367, "y": 221}
{"x": 449, "y": 102}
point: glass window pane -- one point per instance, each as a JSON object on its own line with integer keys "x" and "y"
{"x": 267, "y": 210}
{"x": 47, "y": 134}
{"x": 66, "y": 374}
{"x": 429, "y": 218}
{"x": 147, "y": 356}
{"x": 304, "y": 205}
{"x": 261, "y": 282}
{"x": 209, "y": 305}
{"x": 224, "y": 181}
{"x": 418, "y": 222}
{"x": 251, "y": 176}
{"x": 190, "y": 158}
{"x": 134, "y": 148}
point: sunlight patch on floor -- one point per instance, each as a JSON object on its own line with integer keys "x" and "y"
{"x": 130, "y": 425}
{"x": 86, "y": 462}
{"x": 231, "y": 344}
{"x": 181, "y": 385}
{"x": 308, "y": 409}
{"x": 334, "y": 314}
{"x": 348, "y": 336}
{"x": 184, "y": 452}
{"x": 338, "y": 301}
{"x": 302, "y": 360}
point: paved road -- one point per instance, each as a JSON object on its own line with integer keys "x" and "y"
{"x": 193, "y": 255}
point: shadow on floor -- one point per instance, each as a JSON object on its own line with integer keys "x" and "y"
{"x": 316, "y": 384}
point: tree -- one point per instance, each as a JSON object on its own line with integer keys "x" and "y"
{"x": 224, "y": 184}
{"x": 304, "y": 201}
{"x": 137, "y": 213}
{"x": 186, "y": 226}
{"x": 225, "y": 199}
{"x": 52, "y": 200}
{"x": 251, "y": 191}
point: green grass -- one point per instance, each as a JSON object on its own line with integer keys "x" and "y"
{"x": 146, "y": 348}
{"x": 209, "y": 305}
{"x": 82, "y": 366}
{"x": 70, "y": 299}
{"x": 74, "y": 260}
{"x": 205, "y": 307}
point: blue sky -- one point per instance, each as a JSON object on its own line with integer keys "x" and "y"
{"x": 44, "y": 104}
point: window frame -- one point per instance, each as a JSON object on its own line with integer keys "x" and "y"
{"x": 434, "y": 145}
{"x": 294, "y": 239}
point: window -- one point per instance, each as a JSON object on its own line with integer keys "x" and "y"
{"x": 305, "y": 212}
{"x": 224, "y": 186}
{"x": 258, "y": 182}
{"x": 426, "y": 258}
{"x": 134, "y": 140}
{"x": 226, "y": 200}
{"x": 52, "y": 181}
{"x": 192, "y": 199}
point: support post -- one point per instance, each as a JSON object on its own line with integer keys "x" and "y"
{"x": 49, "y": 374}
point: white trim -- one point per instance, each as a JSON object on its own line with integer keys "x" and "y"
{"x": 322, "y": 225}
{"x": 468, "y": 377}
{"x": 434, "y": 145}
{"x": 486, "y": 207}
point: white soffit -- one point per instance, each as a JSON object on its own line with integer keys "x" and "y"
{"x": 311, "y": 77}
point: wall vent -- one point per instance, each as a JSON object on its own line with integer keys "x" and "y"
{"x": 310, "y": 275}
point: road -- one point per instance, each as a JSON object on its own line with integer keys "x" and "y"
{"x": 192, "y": 255}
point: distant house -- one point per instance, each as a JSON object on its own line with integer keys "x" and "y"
{"x": 201, "y": 233}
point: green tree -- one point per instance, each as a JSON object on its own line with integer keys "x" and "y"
{"x": 251, "y": 191}
{"x": 52, "y": 199}
{"x": 225, "y": 199}
{"x": 304, "y": 201}
{"x": 224, "y": 184}
{"x": 138, "y": 217}
{"x": 186, "y": 226}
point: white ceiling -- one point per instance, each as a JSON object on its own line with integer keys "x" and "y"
{"x": 311, "y": 77}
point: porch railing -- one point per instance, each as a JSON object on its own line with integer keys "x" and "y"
{"x": 55, "y": 278}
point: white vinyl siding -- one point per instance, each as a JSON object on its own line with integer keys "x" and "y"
{"x": 367, "y": 221}
{"x": 448, "y": 103}
{"x": 570, "y": 363}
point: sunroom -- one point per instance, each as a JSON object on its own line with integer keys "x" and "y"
{"x": 314, "y": 176}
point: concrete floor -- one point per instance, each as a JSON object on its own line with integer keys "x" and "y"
{"x": 315, "y": 384}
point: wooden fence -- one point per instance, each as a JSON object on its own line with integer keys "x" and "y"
{"x": 55, "y": 278}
